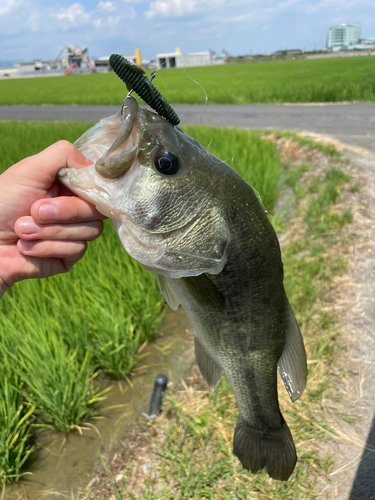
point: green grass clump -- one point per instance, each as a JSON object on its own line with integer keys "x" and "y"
{"x": 321, "y": 80}
{"x": 319, "y": 218}
{"x": 16, "y": 417}
{"x": 57, "y": 382}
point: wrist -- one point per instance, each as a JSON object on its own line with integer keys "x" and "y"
{"x": 3, "y": 287}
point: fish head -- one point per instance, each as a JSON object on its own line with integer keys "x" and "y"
{"x": 158, "y": 185}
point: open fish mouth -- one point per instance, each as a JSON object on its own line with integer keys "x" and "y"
{"x": 112, "y": 145}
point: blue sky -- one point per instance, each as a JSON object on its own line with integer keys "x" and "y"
{"x": 40, "y": 28}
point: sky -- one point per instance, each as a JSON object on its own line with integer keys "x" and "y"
{"x": 31, "y": 29}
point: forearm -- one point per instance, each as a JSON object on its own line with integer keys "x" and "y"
{"x": 3, "y": 288}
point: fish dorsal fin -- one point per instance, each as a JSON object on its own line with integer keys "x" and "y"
{"x": 167, "y": 291}
{"x": 292, "y": 363}
{"x": 210, "y": 370}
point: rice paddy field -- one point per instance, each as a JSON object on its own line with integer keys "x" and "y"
{"x": 57, "y": 334}
{"x": 321, "y": 80}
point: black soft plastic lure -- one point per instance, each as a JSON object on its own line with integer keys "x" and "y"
{"x": 135, "y": 79}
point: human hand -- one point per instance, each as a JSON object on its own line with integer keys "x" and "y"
{"x": 44, "y": 229}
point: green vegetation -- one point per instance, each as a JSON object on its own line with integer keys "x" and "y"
{"x": 16, "y": 417}
{"x": 251, "y": 156}
{"x": 322, "y": 80}
{"x": 55, "y": 334}
{"x": 189, "y": 447}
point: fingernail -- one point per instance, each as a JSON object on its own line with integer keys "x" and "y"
{"x": 25, "y": 245}
{"x": 48, "y": 212}
{"x": 28, "y": 227}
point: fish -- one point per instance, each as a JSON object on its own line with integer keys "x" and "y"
{"x": 191, "y": 219}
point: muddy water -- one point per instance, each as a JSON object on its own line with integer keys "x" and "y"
{"x": 63, "y": 464}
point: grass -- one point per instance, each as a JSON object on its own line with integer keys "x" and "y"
{"x": 189, "y": 446}
{"x": 57, "y": 382}
{"x": 322, "y": 80}
{"x": 58, "y": 332}
{"x": 246, "y": 152}
{"x": 16, "y": 418}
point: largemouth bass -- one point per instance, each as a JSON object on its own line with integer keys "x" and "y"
{"x": 193, "y": 221}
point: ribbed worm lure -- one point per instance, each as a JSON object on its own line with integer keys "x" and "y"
{"x": 135, "y": 79}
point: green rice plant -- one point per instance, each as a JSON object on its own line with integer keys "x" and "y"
{"x": 321, "y": 80}
{"x": 20, "y": 139}
{"x": 57, "y": 383}
{"x": 16, "y": 418}
{"x": 254, "y": 158}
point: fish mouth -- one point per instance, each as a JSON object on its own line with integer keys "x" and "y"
{"x": 112, "y": 145}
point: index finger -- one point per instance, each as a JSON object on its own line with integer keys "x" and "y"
{"x": 49, "y": 161}
{"x": 64, "y": 209}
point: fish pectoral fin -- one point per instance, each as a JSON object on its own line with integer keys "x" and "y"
{"x": 204, "y": 243}
{"x": 292, "y": 364}
{"x": 210, "y": 370}
{"x": 167, "y": 291}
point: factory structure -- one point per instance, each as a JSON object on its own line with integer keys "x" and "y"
{"x": 348, "y": 37}
{"x": 178, "y": 60}
{"x": 75, "y": 59}
{"x": 342, "y": 41}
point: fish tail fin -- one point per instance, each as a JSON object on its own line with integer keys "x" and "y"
{"x": 274, "y": 451}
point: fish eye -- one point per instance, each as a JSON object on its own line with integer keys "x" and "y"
{"x": 167, "y": 163}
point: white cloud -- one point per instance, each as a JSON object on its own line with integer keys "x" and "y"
{"x": 7, "y": 7}
{"x": 171, "y": 8}
{"x": 106, "y": 26}
{"x": 74, "y": 14}
{"x": 107, "y": 6}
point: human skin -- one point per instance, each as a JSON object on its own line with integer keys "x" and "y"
{"x": 44, "y": 228}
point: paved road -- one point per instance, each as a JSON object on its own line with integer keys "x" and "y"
{"x": 353, "y": 124}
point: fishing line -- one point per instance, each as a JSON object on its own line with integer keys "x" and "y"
{"x": 192, "y": 79}
{"x": 199, "y": 85}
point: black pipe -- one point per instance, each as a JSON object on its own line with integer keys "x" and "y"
{"x": 160, "y": 386}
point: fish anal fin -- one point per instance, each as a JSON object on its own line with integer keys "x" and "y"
{"x": 167, "y": 291}
{"x": 292, "y": 363}
{"x": 210, "y": 370}
{"x": 273, "y": 451}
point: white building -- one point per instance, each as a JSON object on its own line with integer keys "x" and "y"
{"x": 343, "y": 37}
{"x": 178, "y": 60}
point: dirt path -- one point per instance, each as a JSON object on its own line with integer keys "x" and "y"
{"x": 352, "y": 415}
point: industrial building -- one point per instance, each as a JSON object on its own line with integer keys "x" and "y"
{"x": 178, "y": 60}
{"x": 348, "y": 37}
{"x": 75, "y": 59}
